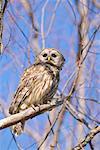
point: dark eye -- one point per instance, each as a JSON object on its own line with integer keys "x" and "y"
{"x": 54, "y": 55}
{"x": 45, "y": 55}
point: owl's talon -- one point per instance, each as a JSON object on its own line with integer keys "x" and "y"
{"x": 38, "y": 106}
{"x": 33, "y": 107}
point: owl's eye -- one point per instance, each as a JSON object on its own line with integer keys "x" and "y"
{"x": 54, "y": 55}
{"x": 45, "y": 55}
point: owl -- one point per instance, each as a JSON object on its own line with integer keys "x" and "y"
{"x": 38, "y": 84}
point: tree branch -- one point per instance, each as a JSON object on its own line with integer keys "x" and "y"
{"x": 88, "y": 138}
{"x": 30, "y": 113}
{"x": 27, "y": 114}
{"x": 3, "y": 7}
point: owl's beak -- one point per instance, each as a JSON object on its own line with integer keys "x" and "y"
{"x": 49, "y": 58}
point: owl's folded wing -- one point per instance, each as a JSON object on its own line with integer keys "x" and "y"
{"x": 36, "y": 84}
{"x": 23, "y": 91}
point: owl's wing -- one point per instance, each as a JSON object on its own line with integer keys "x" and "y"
{"x": 23, "y": 91}
{"x": 35, "y": 85}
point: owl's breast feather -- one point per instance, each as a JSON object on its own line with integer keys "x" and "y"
{"x": 44, "y": 86}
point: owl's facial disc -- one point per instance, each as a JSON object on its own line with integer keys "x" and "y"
{"x": 51, "y": 56}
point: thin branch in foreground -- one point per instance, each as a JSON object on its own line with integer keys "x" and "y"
{"x": 88, "y": 138}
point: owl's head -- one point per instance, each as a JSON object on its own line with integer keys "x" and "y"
{"x": 51, "y": 56}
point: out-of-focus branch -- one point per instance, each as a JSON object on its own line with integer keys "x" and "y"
{"x": 42, "y": 24}
{"x": 48, "y": 129}
{"x": 52, "y": 18}
{"x": 83, "y": 47}
{"x": 66, "y": 3}
{"x": 2, "y": 11}
{"x": 34, "y": 40}
{"x": 82, "y": 29}
{"x": 60, "y": 117}
{"x": 34, "y": 134}
{"x": 1, "y": 25}
{"x": 56, "y": 134}
{"x": 88, "y": 138}
{"x": 3, "y": 107}
{"x": 77, "y": 115}
{"x": 66, "y": 104}
{"x": 73, "y": 112}
{"x": 20, "y": 29}
{"x": 96, "y": 3}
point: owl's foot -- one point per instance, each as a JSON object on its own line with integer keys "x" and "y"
{"x": 38, "y": 106}
{"x": 23, "y": 106}
{"x": 52, "y": 102}
{"x": 33, "y": 107}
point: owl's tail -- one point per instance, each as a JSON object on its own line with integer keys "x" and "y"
{"x": 18, "y": 128}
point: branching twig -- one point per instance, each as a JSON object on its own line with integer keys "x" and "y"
{"x": 88, "y": 138}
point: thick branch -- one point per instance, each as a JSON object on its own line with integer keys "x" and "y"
{"x": 27, "y": 114}
{"x": 88, "y": 138}
{"x": 32, "y": 112}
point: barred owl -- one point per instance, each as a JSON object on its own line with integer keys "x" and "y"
{"x": 38, "y": 84}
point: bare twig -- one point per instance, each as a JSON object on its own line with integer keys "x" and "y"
{"x": 56, "y": 134}
{"x": 24, "y": 35}
{"x": 50, "y": 129}
{"x": 31, "y": 14}
{"x": 34, "y": 134}
{"x": 52, "y": 18}
{"x": 77, "y": 115}
{"x": 42, "y": 24}
{"x": 88, "y": 138}
{"x": 72, "y": 8}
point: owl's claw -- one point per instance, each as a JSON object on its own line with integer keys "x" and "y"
{"x": 33, "y": 107}
{"x": 38, "y": 106}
